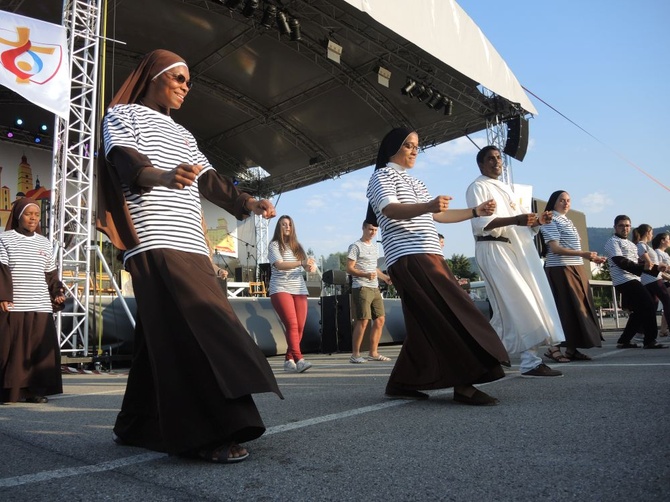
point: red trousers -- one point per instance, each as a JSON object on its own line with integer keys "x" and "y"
{"x": 292, "y": 310}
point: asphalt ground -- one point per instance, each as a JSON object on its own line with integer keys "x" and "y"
{"x": 598, "y": 433}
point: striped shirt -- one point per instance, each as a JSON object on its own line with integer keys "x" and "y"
{"x": 643, "y": 247}
{"x": 162, "y": 217}
{"x": 285, "y": 281}
{"x": 28, "y": 259}
{"x": 392, "y": 184}
{"x": 564, "y": 233}
{"x": 616, "y": 246}
{"x": 365, "y": 256}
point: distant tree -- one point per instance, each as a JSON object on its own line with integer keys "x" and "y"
{"x": 603, "y": 273}
{"x": 335, "y": 261}
{"x": 460, "y": 266}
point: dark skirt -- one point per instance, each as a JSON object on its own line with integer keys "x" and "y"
{"x": 449, "y": 342}
{"x": 195, "y": 366}
{"x": 29, "y": 356}
{"x": 574, "y": 302}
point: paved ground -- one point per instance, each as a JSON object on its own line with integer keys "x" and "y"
{"x": 600, "y": 433}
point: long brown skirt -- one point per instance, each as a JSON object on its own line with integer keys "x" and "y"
{"x": 574, "y": 302}
{"x": 29, "y": 356}
{"x": 195, "y": 366}
{"x": 449, "y": 342}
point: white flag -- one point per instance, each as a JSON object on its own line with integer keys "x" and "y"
{"x": 34, "y": 61}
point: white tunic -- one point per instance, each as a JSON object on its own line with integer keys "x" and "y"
{"x": 524, "y": 311}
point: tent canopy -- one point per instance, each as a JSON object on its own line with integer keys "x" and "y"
{"x": 261, "y": 98}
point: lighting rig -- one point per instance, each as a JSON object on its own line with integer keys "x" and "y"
{"x": 271, "y": 14}
{"x": 434, "y": 99}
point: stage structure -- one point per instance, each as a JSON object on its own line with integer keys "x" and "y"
{"x": 303, "y": 88}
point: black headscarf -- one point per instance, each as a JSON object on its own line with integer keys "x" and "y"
{"x": 387, "y": 149}
{"x": 551, "y": 203}
{"x": 113, "y": 217}
{"x": 18, "y": 207}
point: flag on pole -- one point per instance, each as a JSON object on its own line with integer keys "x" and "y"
{"x": 34, "y": 61}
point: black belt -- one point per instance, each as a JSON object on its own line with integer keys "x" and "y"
{"x": 491, "y": 238}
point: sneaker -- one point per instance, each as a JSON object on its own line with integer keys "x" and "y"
{"x": 357, "y": 360}
{"x": 542, "y": 370}
{"x": 290, "y": 366}
{"x": 302, "y": 365}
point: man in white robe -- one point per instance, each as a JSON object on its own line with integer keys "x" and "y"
{"x": 524, "y": 311}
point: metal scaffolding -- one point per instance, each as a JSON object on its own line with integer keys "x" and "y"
{"x": 73, "y": 173}
{"x": 496, "y": 135}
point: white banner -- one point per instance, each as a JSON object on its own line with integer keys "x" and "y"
{"x": 34, "y": 61}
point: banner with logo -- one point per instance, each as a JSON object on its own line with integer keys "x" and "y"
{"x": 34, "y": 61}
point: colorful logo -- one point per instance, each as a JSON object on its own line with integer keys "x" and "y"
{"x": 29, "y": 62}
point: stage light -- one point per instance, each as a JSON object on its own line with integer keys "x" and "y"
{"x": 383, "y": 76}
{"x": 235, "y": 181}
{"x": 250, "y": 8}
{"x": 425, "y": 95}
{"x": 232, "y": 4}
{"x": 38, "y": 139}
{"x": 43, "y": 127}
{"x": 282, "y": 23}
{"x": 268, "y": 15}
{"x": 19, "y": 122}
{"x": 295, "y": 29}
{"x": 10, "y": 134}
{"x": 333, "y": 51}
{"x": 409, "y": 88}
{"x": 448, "y": 106}
{"x": 435, "y": 100}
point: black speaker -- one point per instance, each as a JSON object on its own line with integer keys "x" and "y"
{"x": 264, "y": 272}
{"x": 335, "y": 277}
{"x": 335, "y": 324}
{"x": 245, "y": 274}
{"x": 517, "y": 138}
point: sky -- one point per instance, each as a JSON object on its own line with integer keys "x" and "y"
{"x": 601, "y": 63}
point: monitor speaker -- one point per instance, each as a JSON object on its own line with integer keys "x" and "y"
{"x": 335, "y": 277}
{"x": 517, "y": 138}
{"x": 245, "y": 274}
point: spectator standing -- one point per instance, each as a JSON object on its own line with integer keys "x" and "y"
{"x": 366, "y": 298}
{"x": 288, "y": 290}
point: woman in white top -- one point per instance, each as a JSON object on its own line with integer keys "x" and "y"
{"x": 564, "y": 266}
{"x": 642, "y": 237}
{"x": 660, "y": 243}
{"x": 288, "y": 290}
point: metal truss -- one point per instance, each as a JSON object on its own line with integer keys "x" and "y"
{"x": 74, "y": 159}
{"x": 496, "y": 135}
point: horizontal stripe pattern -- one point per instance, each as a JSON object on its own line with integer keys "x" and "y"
{"x": 564, "y": 233}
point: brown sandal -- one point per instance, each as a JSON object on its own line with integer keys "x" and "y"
{"x": 555, "y": 354}
{"x": 577, "y": 356}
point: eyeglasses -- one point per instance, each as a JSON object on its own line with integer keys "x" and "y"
{"x": 414, "y": 148}
{"x": 180, "y": 79}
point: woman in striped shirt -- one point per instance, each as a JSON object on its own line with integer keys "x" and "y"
{"x": 29, "y": 289}
{"x": 642, "y": 237}
{"x": 564, "y": 266}
{"x": 449, "y": 343}
{"x": 288, "y": 290}
{"x": 660, "y": 243}
{"x": 195, "y": 367}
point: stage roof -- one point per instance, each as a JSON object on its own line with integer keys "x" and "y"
{"x": 262, "y": 99}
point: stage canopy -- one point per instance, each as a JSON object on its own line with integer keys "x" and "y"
{"x": 307, "y": 100}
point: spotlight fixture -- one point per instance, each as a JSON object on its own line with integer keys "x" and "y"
{"x": 334, "y": 51}
{"x": 426, "y": 94}
{"x": 448, "y": 106}
{"x": 435, "y": 100}
{"x": 295, "y": 29}
{"x": 10, "y": 134}
{"x": 38, "y": 139}
{"x": 383, "y": 76}
{"x": 250, "y": 8}
{"x": 409, "y": 87}
{"x": 268, "y": 15}
{"x": 43, "y": 127}
{"x": 19, "y": 122}
{"x": 282, "y": 23}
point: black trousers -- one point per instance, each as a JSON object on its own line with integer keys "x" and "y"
{"x": 636, "y": 298}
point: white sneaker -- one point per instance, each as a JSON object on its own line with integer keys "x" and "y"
{"x": 290, "y": 366}
{"x": 302, "y": 365}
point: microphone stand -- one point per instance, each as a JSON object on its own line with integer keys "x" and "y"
{"x": 249, "y": 255}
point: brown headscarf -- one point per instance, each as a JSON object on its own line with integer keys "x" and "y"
{"x": 17, "y": 210}
{"x": 113, "y": 217}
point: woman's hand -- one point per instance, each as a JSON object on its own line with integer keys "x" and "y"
{"x": 546, "y": 217}
{"x": 439, "y": 204}
{"x": 6, "y": 306}
{"x": 310, "y": 265}
{"x": 486, "y": 208}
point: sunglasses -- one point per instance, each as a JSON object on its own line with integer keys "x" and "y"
{"x": 180, "y": 79}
